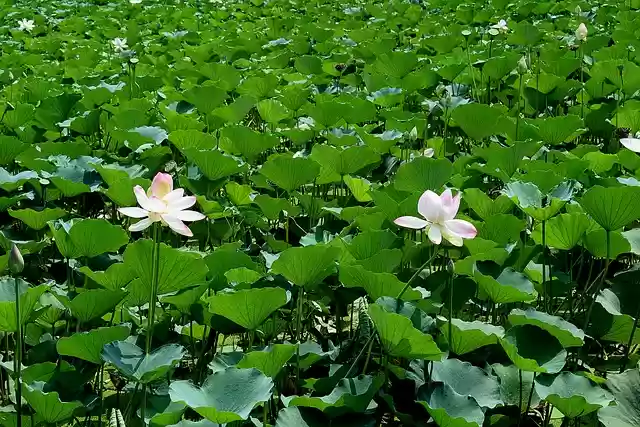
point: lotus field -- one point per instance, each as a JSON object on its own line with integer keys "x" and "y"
{"x": 319, "y": 214}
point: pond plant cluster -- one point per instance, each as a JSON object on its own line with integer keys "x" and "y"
{"x": 301, "y": 214}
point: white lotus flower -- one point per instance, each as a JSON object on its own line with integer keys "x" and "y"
{"x": 135, "y": 1}
{"x": 161, "y": 203}
{"x": 581, "y": 33}
{"x": 119, "y": 45}
{"x": 439, "y": 213}
{"x": 632, "y": 144}
{"x": 501, "y": 26}
{"x": 428, "y": 152}
{"x": 26, "y": 25}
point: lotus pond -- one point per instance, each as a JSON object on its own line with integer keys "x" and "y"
{"x": 305, "y": 214}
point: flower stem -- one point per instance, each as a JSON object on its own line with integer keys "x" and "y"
{"x": 451, "y": 312}
{"x": 18, "y": 355}
{"x": 153, "y": 294}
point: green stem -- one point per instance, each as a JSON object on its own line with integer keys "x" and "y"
{"x": 415, "y": 275}
{"x": 597, "y": 290}
{"x": 520, "y": 401}
{"x": 451, "y": 312}
{"x": 625, "y": 359}
{"x": 154, "y": 286}
{"x": 18, "y": 355}
{"x": 518, "y": 108}
{"x": 547, "y": 296}
{"x": 298, "y": 327}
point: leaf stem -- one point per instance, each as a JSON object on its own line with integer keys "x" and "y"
{"x": 604, "y": 275}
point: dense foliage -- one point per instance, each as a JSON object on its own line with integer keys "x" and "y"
{"x": 326, "y": 275}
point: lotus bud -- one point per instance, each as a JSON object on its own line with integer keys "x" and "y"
{"x": 450, "y": 267}
{"x": 522, "y": 65}
{"x": 578, "y": 10}
{"x": 413, "y": 134}
{"x": 16, "y": 262}
{"x": 581, "y": 33}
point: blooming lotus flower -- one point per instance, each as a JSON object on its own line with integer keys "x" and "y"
{"x": 581, "y": 33}
{"x": 119, "y": 45}
{"x": 428, "y": 152}
{"x": 501, "y": 26}
{"x": 439, "y": 213}
{"x": 632, "y": 144}
{"x": 26, "y": 25}
{"x": 161, "y": 203}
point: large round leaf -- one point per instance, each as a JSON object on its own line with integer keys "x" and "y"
{"x": 469, "y": 336}
{"x": 133, "y": 363}
{"x": 225, "y": 396}
{"x": 574, "y": 395}
{"x": 399, "y": 338}
{"x": 448, "y": 408}
{"x": 568, "y": 334}
{"x": 626, "y": 411}
{"x": 468, "y": 380}
{"x": 88, "y": 345}
{"x": 178, "y": 269}
{"x": 306, "y": 266}
{"x": 533, "y": 349}
{"x": 612, "y": 207}
{"x": 250, "y": 307}
{"x": 48, "y": 405}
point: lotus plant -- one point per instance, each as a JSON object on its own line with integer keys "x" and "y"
{"x": 438, "y": 220}
{"x": 501, "y": 26}
{"x": 162, "y": 203}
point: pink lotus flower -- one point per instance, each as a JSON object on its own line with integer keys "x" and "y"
{"x": 439, "y": 213}
{"x": 162, "y": 203}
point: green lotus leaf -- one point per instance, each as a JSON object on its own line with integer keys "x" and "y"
{"x": 448, "y": 408}
{"x": 88, "y": 237}
{"x": 132, "y": 362}
{"x": 468, "y": 380}
{"x": 10, "y": 148}
{"x": 533, "y": 349}
{"x": 508, "y": 286}
{"x": 249, "y": 307}
{"x": 212, "y": 163}
{"x": 186, "y": 140}
{"x": 29, "y": 298}
{"x": 400, "y": 338}
{"x": 612, "y": 207}
{"x": 626, "y": 411}
{"x": 484, "y": 206}
{"x": 269, "y": 361}
{"x": 470, "y": 336}
{"x": 573, "y": 394}
{"x": 375, "y": 284}
{"x": 37, "y": 219}
{"x": 512, "y": 381}
{"x": 563, "y": 231}
{"x": 290, "y": 173}
{"x": 116, "y": 277}
{"x": 306, "y": 266}
{"x": 272, "y": 111}
{"x": 178, "y": 269}
{"x": 423, "y": 174}
{"x": 567, "y": 333}
{"x": 478, "y": 121}
{"x": 93, "y": 303}
{"x": 226, "y": 396}
{"x": 88, "y": 345}
{"x": 350, "y": 395}
{"x": 48, "y": 405}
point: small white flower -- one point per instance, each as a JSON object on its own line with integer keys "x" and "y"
{"x": 135, "y": 1}
{"x": 501, "y": 26}
{"x": 26, "y": 25}
{"x": 581, "y": 33}
{"x": 119, "y": 45}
